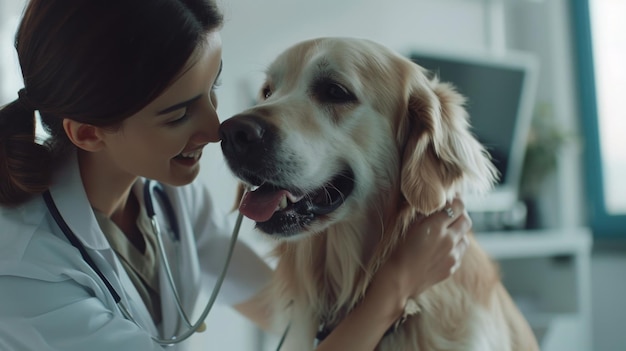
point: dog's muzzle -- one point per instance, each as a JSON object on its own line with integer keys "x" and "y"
{"x": 248, "y": 144}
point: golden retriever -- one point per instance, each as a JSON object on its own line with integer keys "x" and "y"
{"x": 348, "y": 143}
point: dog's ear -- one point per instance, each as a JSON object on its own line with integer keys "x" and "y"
{"x": 441, "y": 157}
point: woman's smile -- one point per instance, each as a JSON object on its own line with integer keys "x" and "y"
{"x": 189, "y": 158}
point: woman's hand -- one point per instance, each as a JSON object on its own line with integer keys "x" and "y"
{"x": 431, "y": 251}
{"x": 433, "y": 248}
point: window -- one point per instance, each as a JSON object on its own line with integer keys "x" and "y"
{"x": 600, "y": 34}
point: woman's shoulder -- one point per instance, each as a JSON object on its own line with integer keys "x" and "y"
{"x": 18, "y": 225}
{"x": 28, "y": 247}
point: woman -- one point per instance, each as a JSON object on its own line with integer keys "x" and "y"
{"x": 126, "y": 91}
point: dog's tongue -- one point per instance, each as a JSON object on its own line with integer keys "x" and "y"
{"x": 261, "y": 205}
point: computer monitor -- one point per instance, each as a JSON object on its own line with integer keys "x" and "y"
{"x": 500, "y": 91}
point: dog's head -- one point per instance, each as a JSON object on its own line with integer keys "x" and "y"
{"x": 342, "y": 125}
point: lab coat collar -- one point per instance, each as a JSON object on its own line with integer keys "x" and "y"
{"x": 70, "y": 198}
{"x": 68, "y": 193}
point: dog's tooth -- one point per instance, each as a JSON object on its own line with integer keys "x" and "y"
{"x": 294, "y": 198}
{"x": 283, "y": 203}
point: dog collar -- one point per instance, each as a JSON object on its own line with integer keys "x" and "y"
{"x": 323, "y": 331}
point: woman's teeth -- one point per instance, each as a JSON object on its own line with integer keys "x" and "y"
{"x": 194, "y": 154}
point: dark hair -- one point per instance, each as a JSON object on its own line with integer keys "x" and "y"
{"x": 93, "y": 61}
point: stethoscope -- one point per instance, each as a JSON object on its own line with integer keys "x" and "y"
{"x": 152, "y": 188}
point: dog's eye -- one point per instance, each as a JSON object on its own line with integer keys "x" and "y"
{"x": 266, "y": 92}
{"x": 332, "y": 92}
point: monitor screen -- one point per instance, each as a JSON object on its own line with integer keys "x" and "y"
{"x": 500, "y": 92}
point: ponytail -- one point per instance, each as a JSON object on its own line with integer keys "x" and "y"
{"x": 25, "y": 166}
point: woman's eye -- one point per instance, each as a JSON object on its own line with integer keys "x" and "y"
{"x": 178, "y": 120}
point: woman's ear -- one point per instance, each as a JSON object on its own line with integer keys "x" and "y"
{"x": 85, "y": 136}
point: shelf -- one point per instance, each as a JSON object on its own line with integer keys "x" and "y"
{"x": 535, "y": 243}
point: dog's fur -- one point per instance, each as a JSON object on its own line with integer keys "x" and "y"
{"x": 336, "y": 104}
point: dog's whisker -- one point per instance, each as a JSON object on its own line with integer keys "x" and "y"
{"x": 330, "y": 185}
{"x": 347, "y": 176}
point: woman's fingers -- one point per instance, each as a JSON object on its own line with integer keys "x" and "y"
{"x": 453, "y": 209}
{"x": 455, "y": 219}
{"x": 455, "y": 225}
{"x": 459, "y": 252}
{"x": 433, "y": 248}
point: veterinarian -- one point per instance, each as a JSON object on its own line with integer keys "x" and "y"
{"x": 126, "y": 90}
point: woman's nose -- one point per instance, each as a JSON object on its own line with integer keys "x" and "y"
{"x": 209, "y": 122}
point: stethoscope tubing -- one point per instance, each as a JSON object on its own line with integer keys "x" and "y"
{"x": 148, "y": 190}
{"x": 214, "y": 293}
{"x": 168, "y": 271}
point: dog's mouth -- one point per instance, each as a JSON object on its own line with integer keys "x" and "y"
{"x": 285, "y": 212}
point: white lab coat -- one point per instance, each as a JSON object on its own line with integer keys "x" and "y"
{"x": 50, "y": 299}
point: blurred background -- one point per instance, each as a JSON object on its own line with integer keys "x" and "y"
{"x": 559, "y": 227}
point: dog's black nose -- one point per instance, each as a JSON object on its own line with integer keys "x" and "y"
{"x": 249, "y": 146}
{"x": 241, "y": 135}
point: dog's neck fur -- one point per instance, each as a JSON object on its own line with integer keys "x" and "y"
{"x": 342, "y": 270}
